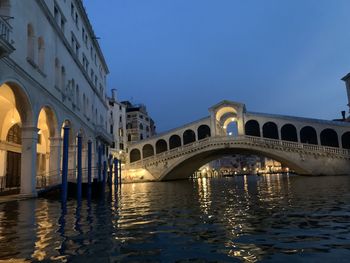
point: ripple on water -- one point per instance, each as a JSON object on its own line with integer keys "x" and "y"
{"x": 267, "y": 218}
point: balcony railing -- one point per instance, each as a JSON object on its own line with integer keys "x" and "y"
{"x": 5, "y": 38}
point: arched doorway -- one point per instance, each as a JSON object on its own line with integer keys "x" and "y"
{"x": 252, "y": 128}
{"x": 48, "y": 147}
{"x": 189, "y": 136}
{"x": 161, "y": 146}
{"x": 16, "y": 153}
{"x": 270, "y": 130}
{"x": 13, "y": 157}
{"x": 174, "y": 141}
{"x": 203, "y": 132}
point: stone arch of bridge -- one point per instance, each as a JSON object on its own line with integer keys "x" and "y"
{"x": 187, "y": 165}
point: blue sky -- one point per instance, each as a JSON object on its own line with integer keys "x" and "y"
{"x": 179, "y": 57}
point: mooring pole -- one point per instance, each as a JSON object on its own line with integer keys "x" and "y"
{"x": 116, "y": 172}
{"x": 99, "y": 162}
{"x": 104, "y": 173}
{"x": 89, "y": 163}
{"x": 64, "y": 186}
{"x": 120, "y": 172}
{"x": 80, "y": 168}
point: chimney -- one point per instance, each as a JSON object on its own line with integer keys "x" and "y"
{"x": 114, "y": 94}
{"x": 343, "y": 114}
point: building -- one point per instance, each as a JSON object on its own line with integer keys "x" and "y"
{"x": 139, "y": 125}
{"x": 53, "y": 74}
{"x": 117, "y": 126}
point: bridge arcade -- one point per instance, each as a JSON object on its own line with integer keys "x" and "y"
{"x": 301, "y": 132}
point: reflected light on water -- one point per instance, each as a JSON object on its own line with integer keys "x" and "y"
{"x": 245, "y": 218}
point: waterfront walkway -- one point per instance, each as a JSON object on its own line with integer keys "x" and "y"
{"x": 15, "y": 197}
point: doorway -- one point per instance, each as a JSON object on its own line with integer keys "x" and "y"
{"x": 13, "y": 170}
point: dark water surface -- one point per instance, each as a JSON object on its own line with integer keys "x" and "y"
{"x": 243, "y": 219}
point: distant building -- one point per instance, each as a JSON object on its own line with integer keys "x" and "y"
{"x": 139, "y": 125}
{"x": 245, "y": 164}
{"x": 117, "y": 125}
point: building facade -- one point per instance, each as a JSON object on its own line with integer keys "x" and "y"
{"x": 117, "y": 126}
{"x": 139, "y": 125}
{"x": 53, "y": 74}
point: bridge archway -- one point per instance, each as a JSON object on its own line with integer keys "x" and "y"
{"x": 308, "y": 135}
{"x": 135, "y": 155}
{"x": 174, "y": 141}
{"x": 252, "y": 128}
{"x": 189, "y": 136}
{"x": 329, "y": 137}
{"x": 289, "y": 133}
{"x": 187, "y": 165}
{"x": 270, "y": 130}
{"x": 147, "y": 151}
{"x": 227, "y": 110}
{"x": 345, "y": 140}
{"x": 203, "y": 132}
{"x": 161, "y": 146}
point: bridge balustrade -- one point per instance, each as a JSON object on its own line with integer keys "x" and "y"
{"x": 260, "y": 141}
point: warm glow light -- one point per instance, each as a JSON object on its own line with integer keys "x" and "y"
{"x": 12, "y": 121}
{"x": 224, "y": 127}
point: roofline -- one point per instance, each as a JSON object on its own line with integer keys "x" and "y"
{"x": 303, "y": 119}
{"x": 82, "y": 9}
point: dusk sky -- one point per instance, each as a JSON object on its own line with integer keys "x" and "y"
{"x": 179, "y": 57}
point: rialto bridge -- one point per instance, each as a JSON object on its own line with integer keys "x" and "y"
{"x": 307, "y": 146}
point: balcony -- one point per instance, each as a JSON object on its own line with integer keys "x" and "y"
{"x": 6, "y": 47}
{"x": 103, "y": 134}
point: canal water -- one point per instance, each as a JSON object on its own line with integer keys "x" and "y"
{"x": 270, "y": 218}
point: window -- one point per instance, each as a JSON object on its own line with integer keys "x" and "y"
{"x": 56, "y": 14}
{"x": 75, "y": 44}
{"x": 63, "y": 22}
{"x": 63, "y": 78}
{"x": 72, "y": 9}
{"x": 30, "y": 42}
{"x": 111, "y": 129}
{"x": 85, "y": 63}
{"x": 77, "y": 96}
{"x": 41, "y": 53}
{"x": 14, "y": 135}
{"x": 57, "y": 73}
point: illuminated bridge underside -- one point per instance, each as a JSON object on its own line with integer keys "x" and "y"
{"x": 307, "y": 146}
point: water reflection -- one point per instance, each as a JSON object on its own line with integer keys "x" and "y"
{"x": 245, "y": 218}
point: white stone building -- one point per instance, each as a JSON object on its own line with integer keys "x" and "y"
{"x": 52, "y": 73}
{"x": 117, "y": 126}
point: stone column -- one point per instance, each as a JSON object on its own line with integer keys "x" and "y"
{"x": 240, "y": 127}
{"x": 279, "y": 132}
{"x": 55, "y": 160}
{"x": 28, "y": 161}
{"x": 339, "y": 139}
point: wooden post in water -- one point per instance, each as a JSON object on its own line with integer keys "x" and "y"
{"x": 64, "y": 186}
{"x": 80, "y": 168}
